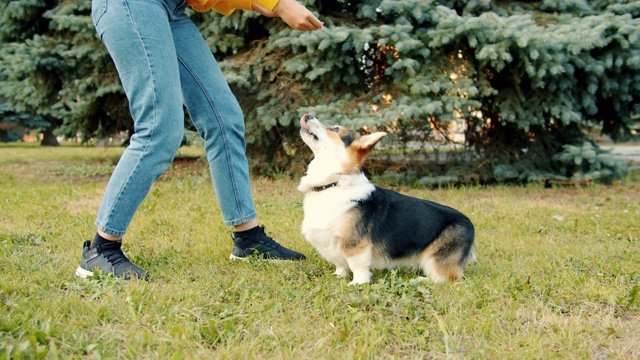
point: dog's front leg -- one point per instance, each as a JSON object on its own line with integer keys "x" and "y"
{"x": 360, "y": 264}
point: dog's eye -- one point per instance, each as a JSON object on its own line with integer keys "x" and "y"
{"x": 334, "y": 129}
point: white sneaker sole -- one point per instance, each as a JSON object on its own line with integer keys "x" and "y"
{"x": 80, "y": 272}
{"x": 234, "y": 258}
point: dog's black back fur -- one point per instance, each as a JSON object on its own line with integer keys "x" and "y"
{"x": 404, "y": 226}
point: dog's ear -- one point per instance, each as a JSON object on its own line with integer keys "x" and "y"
{"x": 360, "y": 148}
{"x": 366, "y": 142}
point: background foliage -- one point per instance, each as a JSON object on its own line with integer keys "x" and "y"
{"x": 54, "y": 67}
{"x": 523, "y": 81}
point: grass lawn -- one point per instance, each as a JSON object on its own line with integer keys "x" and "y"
{"x": 557, "y": 276}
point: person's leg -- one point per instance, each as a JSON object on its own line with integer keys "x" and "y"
{"x": 217, "y": 116}
{"x": 138, "y": 37}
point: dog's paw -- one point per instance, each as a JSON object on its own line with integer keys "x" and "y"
{"x": 354, "y": 283}
{"x": 358, "y": 280}
{"x": 341, "y": 272}
{"x": 360, "y": 277}
{"x": 419, "y": 279}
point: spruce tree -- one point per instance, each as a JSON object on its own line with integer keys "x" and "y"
{"x": 526, "y": 79}
{"x": 54, "y": 69}
{"x": 92, "y": 101}
{"x": 26, "y": 84}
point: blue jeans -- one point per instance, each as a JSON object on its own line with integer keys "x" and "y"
{"x": 163, "y": 62}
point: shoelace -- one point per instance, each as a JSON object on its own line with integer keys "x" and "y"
{"x": 114, "y": 254}
{"x": 266, "y": 240}
{"x": 262, "y": 238}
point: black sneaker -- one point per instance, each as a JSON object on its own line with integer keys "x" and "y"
{"x": 262, "y": 246}
{"x": 109, "y": 259}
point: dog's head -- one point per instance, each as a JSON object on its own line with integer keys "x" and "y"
{"x": 336, "y": 150}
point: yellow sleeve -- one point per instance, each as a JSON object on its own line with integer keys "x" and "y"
{"x": 267, "y": 4}
{"x": 226, "y": 7}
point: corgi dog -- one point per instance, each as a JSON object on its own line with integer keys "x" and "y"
{"x": 358, "y": 226}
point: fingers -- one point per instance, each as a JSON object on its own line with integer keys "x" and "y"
{"x": 296, "y": 15}
{"x": 306, "y": 26}
{"x": 308, "y": 23}
{"x": 315, "y": 23}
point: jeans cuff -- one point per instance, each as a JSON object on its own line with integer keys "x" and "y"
{"x": 242, "y": 220}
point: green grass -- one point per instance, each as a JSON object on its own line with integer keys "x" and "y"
{"x": 557, "y": 275}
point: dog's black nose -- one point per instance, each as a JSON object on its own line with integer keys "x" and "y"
{"x": 307, "y": 117}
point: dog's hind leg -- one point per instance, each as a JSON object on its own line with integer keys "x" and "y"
{"x": 449, "y": 269}
{"x": 445, "y": 258}
{"x": 431, "y": 269}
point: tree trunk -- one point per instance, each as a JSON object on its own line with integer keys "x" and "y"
{"x": 49, "y": 138}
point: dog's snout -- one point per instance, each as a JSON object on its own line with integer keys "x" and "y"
{"x": 304, "y": 120}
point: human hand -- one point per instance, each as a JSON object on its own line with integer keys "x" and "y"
{"x": 293, "y": 13}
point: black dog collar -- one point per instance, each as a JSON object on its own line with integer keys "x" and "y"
{"x": 324, "y": 187}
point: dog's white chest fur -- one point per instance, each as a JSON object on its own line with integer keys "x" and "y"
{"x": 324, "y": 213}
